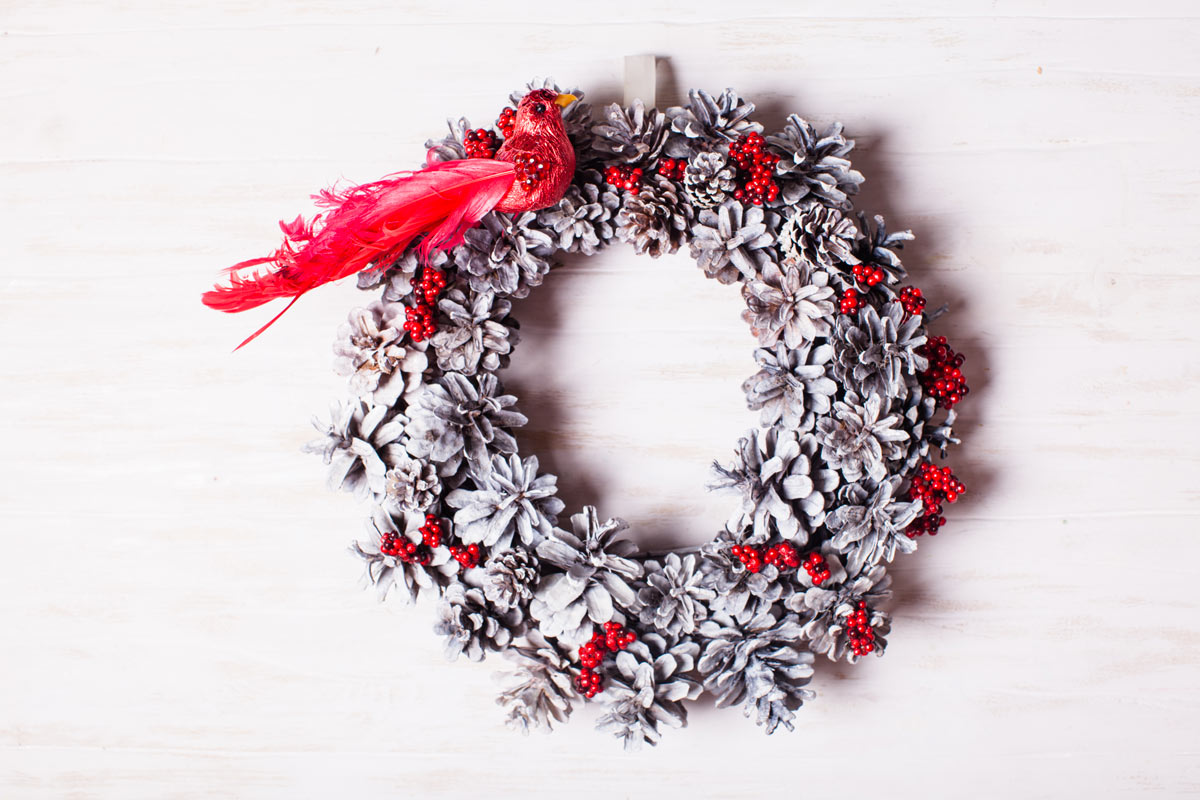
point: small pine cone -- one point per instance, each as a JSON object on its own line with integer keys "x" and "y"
{"x": 821, "y": 236}
{"x": 510, "y": 578}
{"x": 656, "y": 219}
{"x": 708, "y": 179}
{"x": 412, "y": 485}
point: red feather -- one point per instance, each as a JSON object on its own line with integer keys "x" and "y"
{"x": 371, "y": 222}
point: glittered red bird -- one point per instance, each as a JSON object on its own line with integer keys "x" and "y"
{"x": 375, "y": 222}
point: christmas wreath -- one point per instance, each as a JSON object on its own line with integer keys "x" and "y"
{"x": 855, "y": 400}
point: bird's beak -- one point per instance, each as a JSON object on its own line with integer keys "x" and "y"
{"x": 564, "y": 100}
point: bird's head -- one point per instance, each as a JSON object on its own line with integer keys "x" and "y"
{"x": 540, "y": 112}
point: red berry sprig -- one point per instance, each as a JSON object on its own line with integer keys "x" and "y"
{"x": 851, "y": 301}
{"x": 932, "y": 486}
{"x": 943, "y": 379}
{"x": 610, "y": 639}
{"x": 751, "y": 559}
{"x": 869, "y": 276}
{"x": 480, "y": 143}
{"x": 429, "y": 285}
{"x": 672, "y": 168}
{"x": 418, "y": 321}
{"x": 467, "y": 556}
{"x": 859, "y": 630}
{"x": 817, "y": 568}
{"x": 756, "y": 167}
{"x": 627, "y": 178}
{"x": 913, "y": 302}
{"x": 530, "y": 171}
{"x": 507, "y": 122}
{"x": 403, "y": 548}
{"x": 432, "y": 532}
{"x": 782, "y": 556}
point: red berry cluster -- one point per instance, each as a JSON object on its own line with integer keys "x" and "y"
{"x": 751, "y": 559}
{"x": 944, "y": 379}
{"x": 467, "y": 556}
{"x": 932, "y": 486}
{"x": 405, "y": 549}
{"x": 628, "y": 178}
{"x": 672, "y": 168}
{"x": 913, "y": 302}
{"x": 851, "y": 301}
{"x": 530, "y": 171}
{"x": 429, "y": 285}
{"x": 507, "y": 121}
{"x": 480, "y": 143}
{"x": 418, "y": 319}
{"x": 817, "y": 568}
{"x": 859, "y": 630}
{"x": 782, "y": 556}
{"x": 870, "y": 276}
{"x": 612, "y": 638}
{"x": 756, "y": 168}
{"x": 432, "y": 532}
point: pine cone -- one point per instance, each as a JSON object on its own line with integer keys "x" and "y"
{"x": 788, "y": 302}
{"x": 820, "y": 236}
{"x": 868, "y": 527}
{"x": 633, "y": 134}
{"x": 860, "y": 439}
{"x": 506, "y": 254}
{"x": 876, "y": 351}
{"x": 731, "y": 242}
{"x": 371, "y": 350}
{"x": 450, "y": 147}
{"x": 412, "y": 485}
{"x": 825, "y": 610}
{"x": 510, "y": 499}
{"x": 707, "y": 121}
{"x": 540, "y": 689}
{"x": 473, "y": 627}
{"x": 359, "y": 444}
{"x": 596, "y": 571}
{"x": 583, "y": 220}
{"x": 386, "y": 571}
{"x": 740, "y": 593}
{"x": 674, "y": 597}
{"x": 759, "y": 666}
{"x": 791, "y": 386}
{"x": 475, "y": 332}
{"x": 814, "y": 165}
{"x": 656, "y": 219}
{"x": 708, "y": 179}
{"x": 509, "y": 579}
{"x": 646, "y": 687}
{"x": 459, "y": 416}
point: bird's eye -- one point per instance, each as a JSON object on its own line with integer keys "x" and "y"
{"x": 540, "y": 108}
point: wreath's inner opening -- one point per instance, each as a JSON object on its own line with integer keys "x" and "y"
{"x": 630, "y": 371}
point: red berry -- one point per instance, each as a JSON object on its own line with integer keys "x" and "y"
{"x": 507, "y": 121}
{"x": 913, "y": 302}
{"x": 943, "y": 379}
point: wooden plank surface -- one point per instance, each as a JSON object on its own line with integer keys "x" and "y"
{"x": 179, "y": 617}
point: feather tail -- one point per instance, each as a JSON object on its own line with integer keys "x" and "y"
{"x": 367, "y": 223}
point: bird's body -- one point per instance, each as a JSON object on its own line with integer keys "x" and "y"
{"x": 375, "y": 222}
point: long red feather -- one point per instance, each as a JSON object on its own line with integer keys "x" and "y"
{"x": 371, "y": 222}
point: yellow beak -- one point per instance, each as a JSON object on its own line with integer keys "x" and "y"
{"x": 564, "y": 100}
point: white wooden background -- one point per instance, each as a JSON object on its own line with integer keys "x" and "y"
{"x": 178, "y": 615}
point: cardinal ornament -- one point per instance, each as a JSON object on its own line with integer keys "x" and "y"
{"x": 855, "y": 398}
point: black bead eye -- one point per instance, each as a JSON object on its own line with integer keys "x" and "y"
{"x": 540, "y": 108}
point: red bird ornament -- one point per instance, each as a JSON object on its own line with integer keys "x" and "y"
{"x": 375, "y": 222}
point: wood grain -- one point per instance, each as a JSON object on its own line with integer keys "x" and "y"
{"x": 179, "y": 616}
